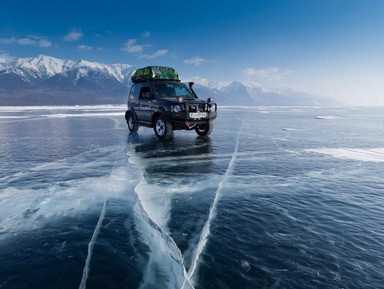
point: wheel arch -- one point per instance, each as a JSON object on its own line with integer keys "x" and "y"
{"x": 155, "y": 116}
{"x": 127, "y": 113}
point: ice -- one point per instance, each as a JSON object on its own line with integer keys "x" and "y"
{"x": 358, "y": 154}
{"x": 28, "y": 207}
{"x": 183, "y": 186}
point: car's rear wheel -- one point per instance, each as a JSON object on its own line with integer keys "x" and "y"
{"x": 163, "y": 128}
{"x": 204, "y": 129}
{"x": 132, "y": 123}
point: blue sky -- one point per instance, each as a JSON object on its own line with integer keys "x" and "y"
{"x": 332, "y": 48}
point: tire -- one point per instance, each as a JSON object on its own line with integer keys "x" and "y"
{"x": 204, "y": 129}
{"x": 163, "y": 128}
{"x": 132, "y": 123}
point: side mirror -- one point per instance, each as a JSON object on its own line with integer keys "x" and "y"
{"x": 191, "y": 83}
{"x": 209, "y": 100}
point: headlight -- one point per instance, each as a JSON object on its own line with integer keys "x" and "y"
{"x": 177, "y": 108}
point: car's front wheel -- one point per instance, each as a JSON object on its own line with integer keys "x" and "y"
{"x": 204, "y": 129}
{"x": 163, "y": 128}
{"x": 132, "y": 123}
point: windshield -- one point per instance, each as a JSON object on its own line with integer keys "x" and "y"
{"x": 172, "y": 90}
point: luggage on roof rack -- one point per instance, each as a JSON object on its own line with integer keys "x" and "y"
{"x": 154, "y": 73}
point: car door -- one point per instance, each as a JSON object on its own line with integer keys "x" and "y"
{"x": 146, "y": 102}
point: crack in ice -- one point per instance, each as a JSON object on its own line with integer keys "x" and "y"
{"x": 212, "y": 213}
{"x": 165, "y": 235}
{"x": 91, "y": 245}
{"x": 190, "y": 274}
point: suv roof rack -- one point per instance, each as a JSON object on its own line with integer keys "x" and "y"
{"x": 149, "y": 73}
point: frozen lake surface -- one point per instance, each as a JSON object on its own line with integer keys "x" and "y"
{"x": 277, "y": 197}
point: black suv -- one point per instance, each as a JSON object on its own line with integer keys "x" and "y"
{"x": 159, "y": 100}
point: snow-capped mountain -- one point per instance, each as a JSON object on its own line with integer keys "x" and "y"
{"x": 33, "y": 68}
{"x": 45, "y": 80}
{"x": 84, "y": 68}
{"x": 238, "y": 93}
{"x": 49, "y": 80}
{"x": 43, "y": 67}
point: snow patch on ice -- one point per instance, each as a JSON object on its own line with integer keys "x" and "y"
{"x": 29, "y": 208}
{"x": 104, "y": 107}
{"x": 12, "y": 116}
{"x": 327, "y": 117}
{"x": 90, "y": 114}
{"x": 289, "y": 129}
{"x": 358, "y": 154}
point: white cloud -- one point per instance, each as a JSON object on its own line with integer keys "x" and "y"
{"x": 73, "y": 35}
{"x": 201, "y": 80}
{"x": 156, "y": 54}
{"x": 5, "y": 57}
{"x": 132, "y": 46}
{"x": 85, "y": 47}
{"x": 30, "y": 40}
{"x": 208, "y": 83}
{"x": 196, "y": 60}
{"x": 266, "y": 74}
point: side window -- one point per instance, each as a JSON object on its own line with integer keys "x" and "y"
{"x": 134, "y": 93}
{"x": 181, "y": 90}
{"x": 145, "y": 93}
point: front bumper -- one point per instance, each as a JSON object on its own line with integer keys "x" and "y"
{"x": 182, "y": 120}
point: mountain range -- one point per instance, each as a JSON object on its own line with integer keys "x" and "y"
{"x": 45, "y": 80}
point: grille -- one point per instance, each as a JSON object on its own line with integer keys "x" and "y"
{"x": 197, "y": 107}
